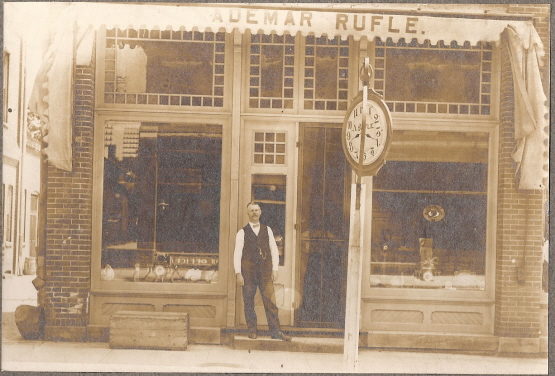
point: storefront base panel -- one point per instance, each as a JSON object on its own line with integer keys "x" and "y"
{"x": 431, "y": 341}
{"x": 207, "y": 313}
{"x": 428, "y": 317}
{"x": 205, "y": 336}
{"x": 65, "y": 333}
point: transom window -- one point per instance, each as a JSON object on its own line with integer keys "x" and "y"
{"x": 269, "y": 147}
{"x": 440, "y": 78}
{"x": 164, "y": 67}
{"x": 272, "y": 60}
{"x": 326, "y": 73}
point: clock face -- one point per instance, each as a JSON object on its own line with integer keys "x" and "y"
{"x": 376, "y": 134}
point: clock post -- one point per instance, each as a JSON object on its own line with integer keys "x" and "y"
{"x": 365, "y": 146}
{"x": 365, "y": 75}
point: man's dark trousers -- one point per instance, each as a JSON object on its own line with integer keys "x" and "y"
{"x": 258, "y": 274}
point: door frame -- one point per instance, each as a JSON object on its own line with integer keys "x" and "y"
{"x": 285, "y": 292}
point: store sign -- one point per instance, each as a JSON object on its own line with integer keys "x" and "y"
{"x": 308, "y": 20}
{"x": 317, "y": 22}
{"x": 183, "y": 259}
{"x": 195, "y": 261}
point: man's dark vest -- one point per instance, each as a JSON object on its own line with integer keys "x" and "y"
{"x": 254, "y": 244}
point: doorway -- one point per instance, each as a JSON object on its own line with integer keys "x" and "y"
{"x": 323, "y": 220}
{"x": 268, "y": 155}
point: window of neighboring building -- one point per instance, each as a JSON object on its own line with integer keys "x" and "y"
{"x": 5, "y": 82}
{"x": 164, "y": 67}
{"x": 7, "y": 206}
{"x": 326, "y": 73}
{"x": 271, "y": 71}
{"x": 33, "y": 224}
{"x": 24, "y": 230}
{"x": 3, "y": 212}
{"x": 161, "y": 202}
{"x": 441, "y": 78}
{"x": 429, "y": 212}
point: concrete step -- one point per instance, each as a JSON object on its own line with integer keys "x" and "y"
{"x": 297, "y": 344}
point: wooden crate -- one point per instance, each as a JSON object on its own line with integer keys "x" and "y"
{"x": 149, "y": 330}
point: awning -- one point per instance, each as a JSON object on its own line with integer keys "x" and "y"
{"x": 286, "y": 19}
{"x": 80, "y": 19}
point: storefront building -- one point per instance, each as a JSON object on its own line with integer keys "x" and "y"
{"x": 174, "y": 130}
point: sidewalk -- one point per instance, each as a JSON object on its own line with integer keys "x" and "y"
{"x": 45, "y": 356}
{"x": 21, "y": 355}
{"x": 18, "y": 290}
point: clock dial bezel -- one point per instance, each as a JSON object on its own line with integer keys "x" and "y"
{"x": 356, "y": 135}
{"x": 371, "y": 168}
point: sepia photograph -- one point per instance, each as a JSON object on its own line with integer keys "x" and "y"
{"x": 218, "y": 187}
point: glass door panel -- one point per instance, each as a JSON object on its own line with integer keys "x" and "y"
{"x": 270, "y": 192}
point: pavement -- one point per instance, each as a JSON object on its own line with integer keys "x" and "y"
{"x": 19, "y": 354}
{"x": 18, "y": 290}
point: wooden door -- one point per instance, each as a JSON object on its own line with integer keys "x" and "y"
{"x": 323, "y": 220}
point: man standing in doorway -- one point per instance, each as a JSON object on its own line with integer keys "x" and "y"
{"x": 256, "y": 261}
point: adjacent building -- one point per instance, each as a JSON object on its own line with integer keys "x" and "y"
{"x": 20, "y": 161}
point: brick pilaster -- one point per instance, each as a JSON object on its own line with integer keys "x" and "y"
{"x": 519, "y": 226}
{"x": 69, "y": 224}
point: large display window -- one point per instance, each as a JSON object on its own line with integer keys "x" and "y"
{"x": 430, "y": 213}
{"x": 161, "y": 202}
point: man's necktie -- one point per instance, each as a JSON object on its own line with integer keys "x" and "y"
{"x": 256, "y": 225}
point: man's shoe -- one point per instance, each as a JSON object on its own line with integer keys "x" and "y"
{"x": 280, "y": 335}
{"x": 252, "y": 335}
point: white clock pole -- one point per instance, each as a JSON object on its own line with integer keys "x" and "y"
{"x": 354, "y": 267}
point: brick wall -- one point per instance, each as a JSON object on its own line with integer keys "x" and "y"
{"x": 68, "y": 225}
{"x": 520, "y": 213}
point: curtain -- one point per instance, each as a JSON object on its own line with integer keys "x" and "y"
{"x": 530, "y": 113}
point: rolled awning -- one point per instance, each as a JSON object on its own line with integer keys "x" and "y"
{"x": 80, "y": 19}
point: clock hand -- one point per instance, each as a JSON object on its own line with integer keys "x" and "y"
{"x": 357, "y": 135}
